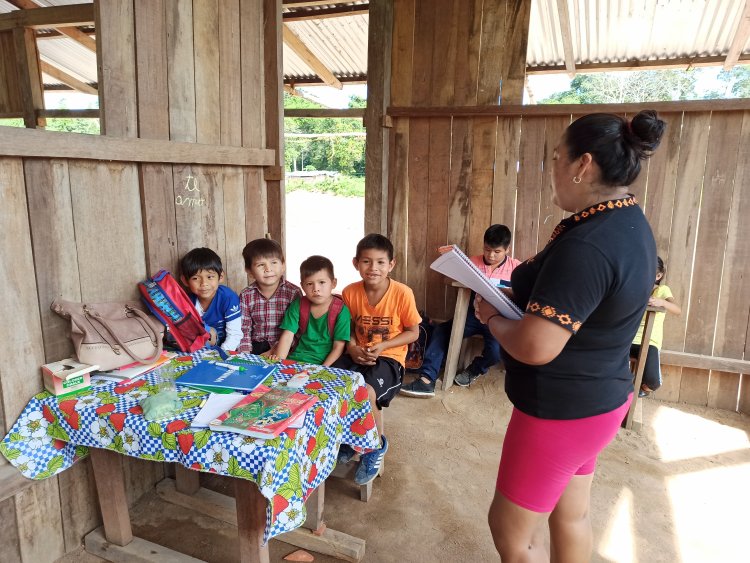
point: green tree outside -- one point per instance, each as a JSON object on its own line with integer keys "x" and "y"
{"x": 628, "y": 87}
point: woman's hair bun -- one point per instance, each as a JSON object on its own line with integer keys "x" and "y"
{"x": 647, "y": 129}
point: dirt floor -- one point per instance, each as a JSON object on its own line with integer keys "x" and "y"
{"x": 676, "y": 492}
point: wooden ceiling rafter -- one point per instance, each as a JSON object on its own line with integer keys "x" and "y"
{"x": 325, "y": 13}
{"x": 293, "y": 41}
{"x": 72, "y": 32}
{"x": 306, "y": 3}
{"x": 566, "y": 36}
{"x": 741, "y": 36}
{"x": 684, "y": 63}
{"x": 54, "y": 16}
{"x": 58, "y": 73}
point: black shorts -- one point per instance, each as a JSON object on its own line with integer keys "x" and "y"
{"x": 260, "y": 346}
{"x": 385, "y": 376}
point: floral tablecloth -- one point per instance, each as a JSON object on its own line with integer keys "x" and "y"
{"x": 51, "y": 435}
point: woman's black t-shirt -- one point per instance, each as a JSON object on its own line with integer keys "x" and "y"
{"x": 593, "y": 278}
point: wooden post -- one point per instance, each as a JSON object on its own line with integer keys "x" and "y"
{"x": 457, "y": 335}
{"x": 251, "y": 522}
{"x": 30, "y": 77}
{"x": 379, "y": 44}
{"x": 641, "y": 364}
{"x": 187, "y": 481}
{"x": 314, "y": 505}
{"x": 273, "y": 74}
{"x": 110, "y": 485}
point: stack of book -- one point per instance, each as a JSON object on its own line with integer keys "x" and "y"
{"x": 265, "y": 412}
{"x": 225, "y": 377}
{"x": 131, "y": 371}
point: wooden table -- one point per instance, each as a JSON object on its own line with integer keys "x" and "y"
{"x": 457, "y": 333}
{"x": 632, "y": 421}
{"x": 115, "y": 540}
{"x": 107, "y": 422}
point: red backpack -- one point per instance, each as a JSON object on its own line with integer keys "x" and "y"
{"x": 337, "y": 303}
{"x": 172, "y": 306}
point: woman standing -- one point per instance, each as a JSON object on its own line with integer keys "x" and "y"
{"x": 567, "y": 371}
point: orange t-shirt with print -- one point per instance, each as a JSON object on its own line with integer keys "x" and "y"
{"x": 384, "y": 321}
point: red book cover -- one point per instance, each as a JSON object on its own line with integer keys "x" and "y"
{"x": 264, "y": 413}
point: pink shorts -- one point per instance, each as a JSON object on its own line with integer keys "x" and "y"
{"x": 540, "y": 456}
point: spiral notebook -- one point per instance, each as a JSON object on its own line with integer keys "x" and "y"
{"x": 454, "y": 264}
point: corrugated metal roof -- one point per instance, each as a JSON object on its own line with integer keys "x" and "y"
{"x": 605, "y": 31}
{"x": 602, "y": 31}
{"x": 339, "y": 43}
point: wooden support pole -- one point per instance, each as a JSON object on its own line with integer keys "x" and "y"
{"x": 251, "y": 521}
{"x": 378, "y": 98}
{"x": 110, "y": 485}
{"x": 640, "y": 367}
{"x": 30, "y": 77}
{"x": 314, "y": 506}
{"x": 273, "y": 74}
{"x": 457, "y": 336}
{"x": 187, "y": 481}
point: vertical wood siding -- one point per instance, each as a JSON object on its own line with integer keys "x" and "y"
{"x": 451, "y": 177}
{"x": 90, "y": 230}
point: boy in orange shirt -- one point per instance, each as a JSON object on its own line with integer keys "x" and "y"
{"x": 385, "y": 321}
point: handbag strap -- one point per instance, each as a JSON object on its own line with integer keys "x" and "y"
{"x": 140, "y": 316}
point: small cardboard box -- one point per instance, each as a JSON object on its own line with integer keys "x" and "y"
{"x": 67, "y": 376}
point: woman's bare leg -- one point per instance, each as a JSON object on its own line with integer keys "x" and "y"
{"x": 517, "y": 532}
{"x": 571, "y": 538}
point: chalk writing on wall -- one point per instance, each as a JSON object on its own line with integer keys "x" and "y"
{"x": 192, "y": 197}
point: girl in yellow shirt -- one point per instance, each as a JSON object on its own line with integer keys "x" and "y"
{"x": 661, "y": 296}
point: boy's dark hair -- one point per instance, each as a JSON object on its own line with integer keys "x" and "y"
{"x": 313, "y": 265}
{"x": 660, "y": 269}
{"x": 261, "y": 248}
{"x": 377, "y": 242}
{"x": 497, "y": 235}
{"x": 200, "y": 259}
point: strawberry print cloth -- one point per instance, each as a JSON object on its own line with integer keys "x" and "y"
{"x": 51, "y": 435}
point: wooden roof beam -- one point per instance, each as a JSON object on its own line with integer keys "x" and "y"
{"x": 741, "y": 35}
{"x": 54, "y": 16}
{"x": 305, "y": 3}
{"x": 684, "y": 63}
{"x": 296, "y": 44}
{"x": 72, "y": 32}
{"x": 324, "y": 13}
{"x": 59, "y": 74}
{"x": 567, "y": 37}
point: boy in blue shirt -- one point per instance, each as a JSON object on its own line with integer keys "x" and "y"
{"x": 319, "y": 317}
{"x": 219, "y": 307}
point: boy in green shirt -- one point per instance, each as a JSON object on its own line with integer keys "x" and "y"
{"x": 320, "y": 319}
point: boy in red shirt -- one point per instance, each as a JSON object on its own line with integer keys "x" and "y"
{"x": 385, "y": 321}
{"x": 494, "y": 263}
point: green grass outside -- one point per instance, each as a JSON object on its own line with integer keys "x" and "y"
{"x": 345, "y": 186}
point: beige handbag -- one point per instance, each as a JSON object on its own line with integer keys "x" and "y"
{"x": 112, "y": 335}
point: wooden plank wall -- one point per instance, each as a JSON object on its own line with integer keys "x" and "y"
{"x": 90, "y": 230}
{"x": 694, "y": 192}
{"x": 451, "y": 177}
{"x": 442, "y": 169}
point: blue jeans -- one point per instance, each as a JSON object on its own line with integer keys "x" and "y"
{"x": 437, "y": 347}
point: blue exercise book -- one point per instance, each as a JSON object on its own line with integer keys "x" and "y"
{"x": 218, "y": 376}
